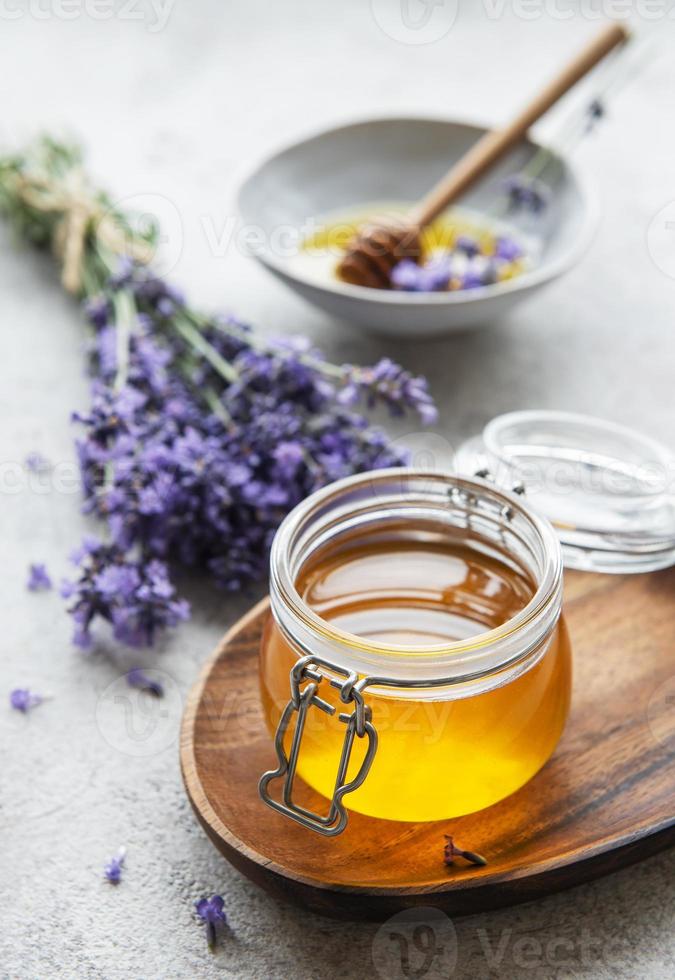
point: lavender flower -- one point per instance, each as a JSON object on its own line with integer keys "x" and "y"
{"x": 136, "y": 598}
{"x": 437, "y": 272}
{"x": 21, "y": 699}
{"x": 37, "y": 463}
{"x": 389, "y": 383}
{"x": 97, "y": 309}
{"x": 407, "y": 275}
{"x": 211, "y": 912}
{"x": 469, "y": 246}
{"x": 473, "y": 280}
{"x": 38, "y": 578}
{"x": 508, "y": 249}
{"x": 113, "y": 869}
{"x": 594, "y": 113}
{"x": 138, "y": 678}
{"x": 431, "y": 276}
{"x": 526, "y": 193}
{"x": 199, "y": 436}
{"x": 472, "y": 271}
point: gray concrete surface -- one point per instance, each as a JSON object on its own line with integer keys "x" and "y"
{"x": 182, "y": 112}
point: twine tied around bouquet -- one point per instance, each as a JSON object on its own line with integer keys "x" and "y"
{"x": 80, "y": 212}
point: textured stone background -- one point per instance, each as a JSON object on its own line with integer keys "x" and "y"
{"x": 183, "y": 112}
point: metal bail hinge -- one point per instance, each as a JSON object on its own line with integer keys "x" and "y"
{"x": 358, "y": 725}
{"x": 518, "y": 488}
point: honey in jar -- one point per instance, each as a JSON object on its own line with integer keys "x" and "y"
{"x": 436, "y": 604}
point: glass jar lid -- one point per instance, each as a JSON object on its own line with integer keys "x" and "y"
{"x": 608, "y": 490}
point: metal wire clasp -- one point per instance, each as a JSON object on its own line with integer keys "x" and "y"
{"x": 358, "y": 725}
{"x": 518, "y": 488}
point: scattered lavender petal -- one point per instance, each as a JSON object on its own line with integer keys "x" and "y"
{"x": 526, "y": 193}
{"x": 113, "y": 869}
{"x": 138, "y": 678}
{"x": 407, "y": 275}
{"x": 21, "y": 699}
{"x": 595, "y": 112}
{"x": 437, "y": 272}
{"x": 507, "y": 248}
{"x": 211, "y": 912}
{"x": 37, "y": 463}
{"x": 468, "y": 245}
{"x": 38, "y": 578}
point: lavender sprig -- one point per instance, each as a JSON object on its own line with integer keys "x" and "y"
{"x": 200, "y": 436}
{"x": 113, "y": 868}
{"x": 212, "y": 914}
{"x": 526, "y": 190}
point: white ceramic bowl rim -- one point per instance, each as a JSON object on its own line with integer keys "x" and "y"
{"x": 526, "y": 280}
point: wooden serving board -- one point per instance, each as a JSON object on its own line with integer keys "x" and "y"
{"x": 605, "y": 800}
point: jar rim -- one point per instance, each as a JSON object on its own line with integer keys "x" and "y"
{"x": 468, "y": 658}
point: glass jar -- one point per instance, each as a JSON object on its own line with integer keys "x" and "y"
{"x": 413, "y": 731}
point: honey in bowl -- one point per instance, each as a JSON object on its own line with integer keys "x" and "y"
{"x": 460, "y": 250}
{"x": 437, "y": 757}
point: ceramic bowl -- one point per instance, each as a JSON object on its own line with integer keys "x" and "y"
{"x": 398, "y": 160}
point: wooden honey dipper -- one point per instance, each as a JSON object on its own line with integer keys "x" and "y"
{"x": 378, "y": 246}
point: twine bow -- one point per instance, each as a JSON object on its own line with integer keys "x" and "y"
{"x": 80, "y": 212}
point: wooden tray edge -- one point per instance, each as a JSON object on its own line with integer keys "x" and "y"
{"x": 458, "y": 896}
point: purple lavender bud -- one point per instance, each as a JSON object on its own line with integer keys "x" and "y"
{"x": 472, "y": 280}
{"x": 106, "y": 351}
{"x": 469, "y": 246}
{"x": 349, "y": 395}
{"x": 38, "y": 578}
{"x": 165, "y": 306}
{"x": 211, "y": 912}
{"x": 289, "y": 456}
{"x": 123, "y": 274}
{"x": 526, "y": 193}
{"x": 97, "y": 310}
{"x": 436, "y": 273}
{"x": 176, "y": 295}
{"x": 136, "y": 677}
{"x": 37, "y": 463}
{"x": 596, "y": 111}
{"x": 21, "y": 699}
{"x": 507, "y": 248}
{"x": 113, "y": 869}
{"x": 407, "y": 275}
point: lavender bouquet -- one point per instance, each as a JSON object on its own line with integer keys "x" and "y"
{"x": 200, "y": 436}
